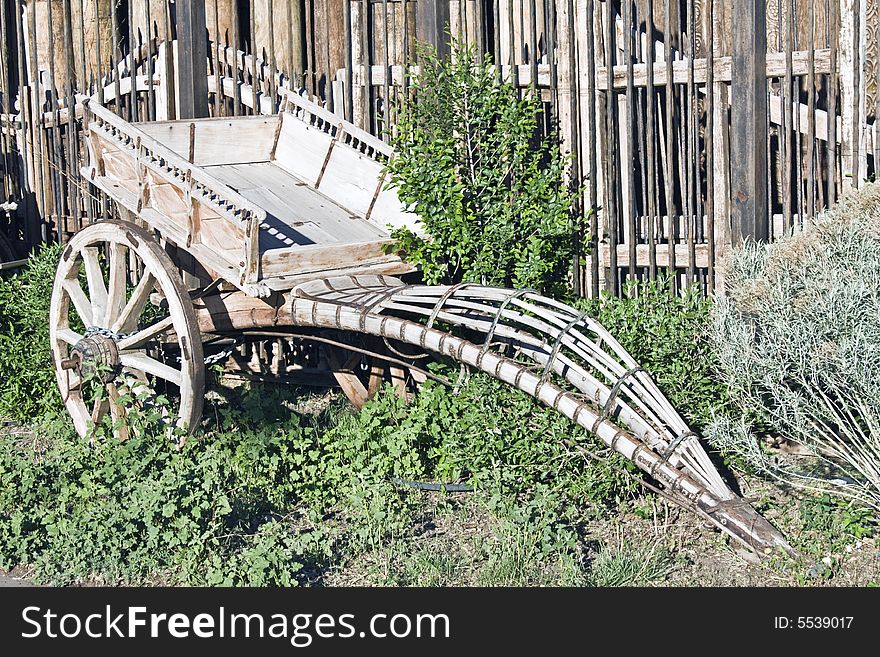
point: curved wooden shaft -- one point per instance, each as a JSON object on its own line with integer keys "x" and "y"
{"x": 610, "y": 390}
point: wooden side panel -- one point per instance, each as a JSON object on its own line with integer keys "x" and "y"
{"x": 217, "y": 141}
{"x": 281, "y": 262}
{"x": 301, "y": 149}
{"x": 167, "y": 200}
{"x": 351, "y": 179}
{"x": 119, "y": 169}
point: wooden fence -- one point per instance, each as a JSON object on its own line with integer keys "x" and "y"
{"x": 691, "y": 130}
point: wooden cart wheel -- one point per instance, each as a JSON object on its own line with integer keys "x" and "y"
{"x": 121, "y": 319}
{"x": 361, "y": 376}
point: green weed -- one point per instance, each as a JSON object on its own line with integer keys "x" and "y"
{"x": 27, "y": 378}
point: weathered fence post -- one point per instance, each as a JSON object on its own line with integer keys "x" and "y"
{"x": 749, "y": 211}
{"x": 192, "y": 49}
{"x": 432, "y": 23}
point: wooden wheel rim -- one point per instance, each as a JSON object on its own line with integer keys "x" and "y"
{"x": 115, "y": 309}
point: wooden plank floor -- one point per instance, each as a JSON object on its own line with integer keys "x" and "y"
{"x": 296, "y": 214}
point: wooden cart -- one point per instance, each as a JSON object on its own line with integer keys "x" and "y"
{"x": 275, "y": 230}
{"x": 255, "y": 205}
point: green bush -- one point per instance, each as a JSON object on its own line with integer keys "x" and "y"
{"x": 500, "y": 439}
{"x": 798, "y": 340}
{"x": 27, "y": 377}
{"x": 492, "y": 197}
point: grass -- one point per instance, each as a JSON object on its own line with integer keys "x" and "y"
{"x": 621, "y": 563}
{"x": 80, "y": 515}
{"x": 267, "y": 495}
{"x": 286, "y": 486}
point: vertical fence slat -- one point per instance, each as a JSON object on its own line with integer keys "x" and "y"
{"x": 811, "y": 109}
{"x": 148, "y": 18}
{"x": 117, "y": 48}
{"x": 5, "y": 93}
{"x": 72, "y": 173}
{"x": 650, "y": 139}
{"x": 273, "y": 65}
{"x": 53, "y": 136}
{"x": 349, "y": 62}
{"x": 26, "y": 141}
{"x": 132, "y": 67}
{"x": 98, "y": 54}
{"x": 366, "y": 68}
{"x": 533, "y": 45}
{"x": 591, "y": 141}
{"x": 834, "y": 34}
{"x": 693, "y": 160}
{"x": 610, "y": 151}
{"x": 748, "y": 146}
{"x": 511, "y": 48}
{"x": 37, "y": 115}
{"x": 386, "y": 73}
{"x": 709, "y": 31}
{"x": 667, "y": 138}
{"x": 236, "y": 44}
{"x": 214, "y": 38}
{"x": 191, "y": 58}
{"x": 254, "y": 60}
{"x": 787, "y": 142}
{"x": 626, "y": 168}
{"x": 798, "y": 154}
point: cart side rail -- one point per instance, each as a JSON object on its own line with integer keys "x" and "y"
{"x": 200, "y": 189}
{"x": 350, "y": 167}
{"x": 314, "y": 114}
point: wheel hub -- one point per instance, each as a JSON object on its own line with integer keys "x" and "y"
{"x": 95, "y": 356}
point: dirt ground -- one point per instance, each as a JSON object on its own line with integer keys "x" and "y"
{"x": 830, "y": 551}
{"x": 697, "y": 554}
{"x": 13, "y": 580}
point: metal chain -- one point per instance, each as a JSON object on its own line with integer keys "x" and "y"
{"x": 107, "y": 333}
{"x": 113, "y": 335}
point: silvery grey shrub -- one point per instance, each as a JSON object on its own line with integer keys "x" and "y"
{"x": 797, "y": 336}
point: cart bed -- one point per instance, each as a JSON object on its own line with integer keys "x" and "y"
{"x": 261, "y": 201}
{"x": 296, "y": 214}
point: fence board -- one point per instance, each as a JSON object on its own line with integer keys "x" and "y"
{"x": 640, "y": 92}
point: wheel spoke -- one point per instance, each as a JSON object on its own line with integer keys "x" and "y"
{"x": 139, "y": 338}
{"x": 116, "y": 287}
{"x": 117, "y": 412}
{"x": 68, "y": 335}
{"x": 95, "y": 279}
{"x": 99, "y": 409}
{"x": 140, "y": 361}
{"x": 129, "y": 315}
{"x": 80, "y": 301}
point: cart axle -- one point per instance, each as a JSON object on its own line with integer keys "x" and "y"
{"x": 95, "y": 356}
